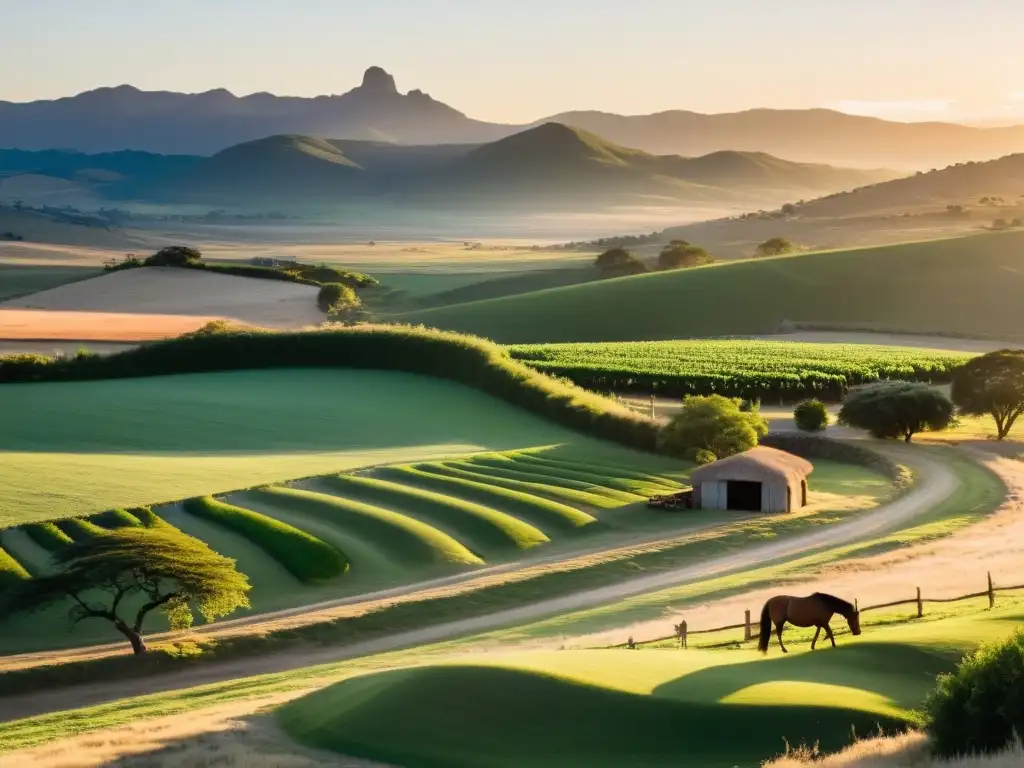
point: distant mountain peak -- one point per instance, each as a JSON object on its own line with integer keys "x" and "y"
{"x": 378, "y": 81}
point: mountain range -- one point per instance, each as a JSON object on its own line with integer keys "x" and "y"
{"x": 112, "y": 119}
{"x": 549, "y": 166}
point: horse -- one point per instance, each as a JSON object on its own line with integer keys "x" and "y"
{"x": 814, "y": 611}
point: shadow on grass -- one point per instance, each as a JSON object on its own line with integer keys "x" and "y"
{"x": 481, "y": 716}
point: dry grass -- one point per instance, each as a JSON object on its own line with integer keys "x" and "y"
{"x": 188, "y": 293}
{"x": 236, "y": 735}
{"x": 905, "y": 751}
{"x": 35, "y": 324}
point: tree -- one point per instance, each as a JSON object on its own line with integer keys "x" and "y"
{"x": 992, "y": 384}
{"x": 679, "y": 255}
{"x": 775, "y": 246}
{"x": 174, "y": 256}
{"x": 164, "y": 568}
{"x": 891, "y": 409}
{"x": 811, "y": 416}
{"x": 618, "y": 262}
{"x": 712, "y": 425}
{"x": 337, "y": 299}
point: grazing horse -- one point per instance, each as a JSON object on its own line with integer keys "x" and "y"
{"x": 814, "y": 611}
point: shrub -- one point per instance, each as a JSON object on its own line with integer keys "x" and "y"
{"x": 893, "y": 409}
{"x": 174, "y": 256}
{"x": 618, "y": 262}
{"x": 811, "y": 416}
{"x": 466, "y": 359}
{"x": 131, "y": 261}
{"x": 683, "y": 256}
{"x": 337, "y": 299}
{"x": 304, "y": 556}
{"x": 775, "y": 246}
{"x": 980, "y": 706}
{"x": 712, "y": 424}
{"x": 704, "y": 456}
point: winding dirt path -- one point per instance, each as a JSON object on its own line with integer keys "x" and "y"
{"x": 934, "y": 482}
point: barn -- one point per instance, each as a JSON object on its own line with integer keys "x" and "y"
{"x": 760, "y": 480}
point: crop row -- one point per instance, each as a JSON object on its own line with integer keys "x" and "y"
{"x": 786, "y": 370}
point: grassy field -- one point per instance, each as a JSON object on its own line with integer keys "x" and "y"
{"x": 79, "y": 448}
{"x": 21, "y": 279}
{"x": 965, "y": 286}
{"x": 648, "y": 708}
{"x": 735, "y": 367}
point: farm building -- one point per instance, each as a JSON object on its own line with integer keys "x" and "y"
{"x": 759, "y": 480}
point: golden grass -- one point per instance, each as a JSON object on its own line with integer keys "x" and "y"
{"x": 905, "y": 751}
{"x": 235, "y": 735}
{"x": 28, "y": 324}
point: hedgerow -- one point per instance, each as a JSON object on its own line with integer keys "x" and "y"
{"x": 466, "y": 359}
{"x": 115, "y": 518}
{"x": 47, "y": 535}
{"x": 304, "y": 556}
{"x": 79, "y": 530}
{"x": 11, "y": 570}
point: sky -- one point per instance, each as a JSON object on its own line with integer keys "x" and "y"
{"x": 519, "y": 61}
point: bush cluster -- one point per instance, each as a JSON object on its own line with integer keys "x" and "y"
{"x": 336, "y": 299}
{"x": 811, "y": 415}
{"x": 979, "y": 708}
{"x": 468, "y": 360}
{"x": 712, "y": 427}
{"x": 306, "y": 557}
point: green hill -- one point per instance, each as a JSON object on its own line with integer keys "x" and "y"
{"x": 967, "y": 286}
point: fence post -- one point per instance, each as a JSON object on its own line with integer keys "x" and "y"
{"x": 652, "y": 407}
{"x": 920, "y": 605}
{"x": 856, "y": 605}
{"x": 746, "y": 629}
{"x": 682, "y": 634}
{"x": 991, "y": 592}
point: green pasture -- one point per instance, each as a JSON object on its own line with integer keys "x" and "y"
{"x": 71, "y": 449}
{"x": 20, "y": 280}
{"x": 961, "y": 286}
{"x": 639, "y": 708}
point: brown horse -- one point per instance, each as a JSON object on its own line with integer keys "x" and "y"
{"x": 814, "y": 611}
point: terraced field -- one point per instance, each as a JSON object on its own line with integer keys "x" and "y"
{"x": 349, "y": 534}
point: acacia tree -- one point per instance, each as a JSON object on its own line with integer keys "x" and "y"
{"x": 891, "y": 409}
{"x": 992, "y": 384}
{"x": 165, "y": 569}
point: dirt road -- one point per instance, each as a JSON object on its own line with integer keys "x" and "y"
{"x": 935, "y": 482}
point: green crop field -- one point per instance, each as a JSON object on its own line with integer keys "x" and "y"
{"x": 73, "y": 449}
{"x": 735, "y": 368}
{"x": 968, "y": 286}
{"x": 640, "y": 708}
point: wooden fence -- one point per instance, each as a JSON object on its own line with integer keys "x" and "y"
{"x": 749, "y": 625}
{"x": 645, "y": 410}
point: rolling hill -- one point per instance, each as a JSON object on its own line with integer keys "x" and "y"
{"x": 552, "y": 164}
{"x": 124, "y": 117}
{"x": 960, "y": 286}
{"x": 811, "y": 135}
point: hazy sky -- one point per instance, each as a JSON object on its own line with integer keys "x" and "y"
{"x": 517, "y": 61}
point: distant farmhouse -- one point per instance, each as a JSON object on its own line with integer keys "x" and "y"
{"x": 760, "y": 480}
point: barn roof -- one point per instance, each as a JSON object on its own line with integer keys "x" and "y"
{"x": 758, "y": 464}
